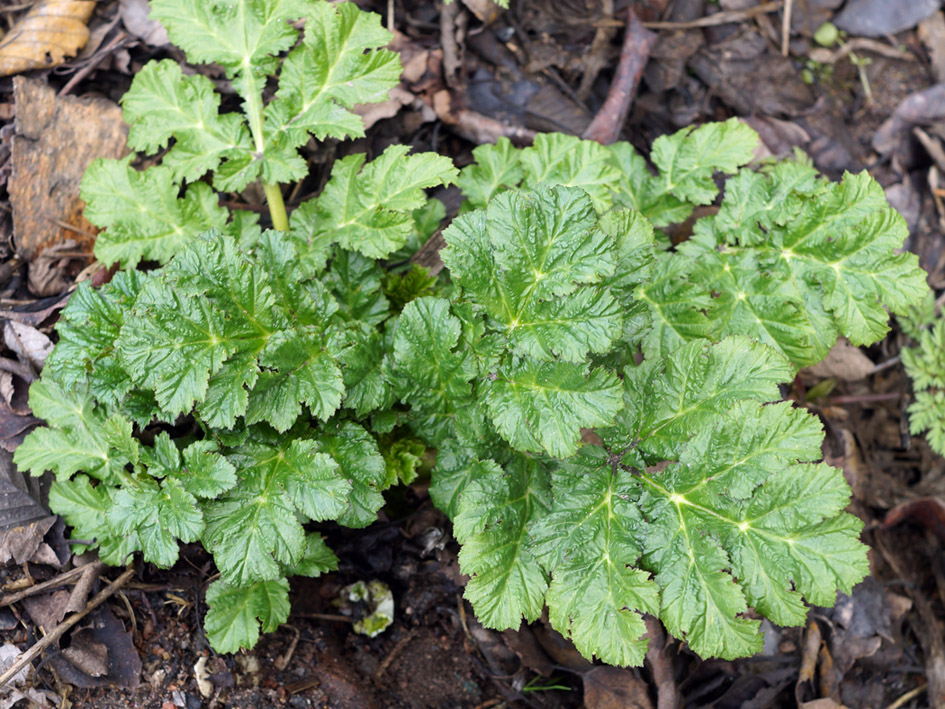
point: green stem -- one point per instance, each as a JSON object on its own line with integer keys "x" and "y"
{"x": 280, "y": 220}
{"x": 254, "y": 112}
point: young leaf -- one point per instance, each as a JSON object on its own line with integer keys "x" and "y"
{"x": 141, "y": 213}
{"x": 330, "y": 72}
{"x": 162, "y": 104}
{"x": 688, "y": 158}
{"x": 80, "y": 436}
{"x": 235, "y": 614}
{"x": 205, "y": 30}
{"x": 492, "y": 522}
{"x": 369, "y": 207}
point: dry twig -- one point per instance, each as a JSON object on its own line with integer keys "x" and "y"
{"x": 61, "y": 629}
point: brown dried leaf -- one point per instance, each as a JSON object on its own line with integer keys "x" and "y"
{"x": 844, "y": 361}
{"x": 44, "y": 36}
{"x": 135, "y": 17}
{"x": 615, "y": 688}
{"x": 31, "y": 346}
{"x": 87, "y": 655}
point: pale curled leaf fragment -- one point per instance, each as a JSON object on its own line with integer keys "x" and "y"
{"x": 46, "y": 35}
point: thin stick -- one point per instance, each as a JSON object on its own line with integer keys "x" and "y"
{"x": 786, "y": 27}
{"x": 863, "y": 398}
{"x": 720, "y": 18}
{"x": 908, "y": 696}
{"x": 401, "y": 644}
{"x": 637, "y": 42}
{"x": 60, "y": 580}
{"x": 61, "y": 629}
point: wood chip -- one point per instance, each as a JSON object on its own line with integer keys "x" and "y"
{"x": 56, "y": 139}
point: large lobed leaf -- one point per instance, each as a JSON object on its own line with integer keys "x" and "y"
{"x": 790, "y": 258}
{"x": 702, "y": 501}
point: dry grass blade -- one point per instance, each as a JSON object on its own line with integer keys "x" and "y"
{"x": 44, "y": 36}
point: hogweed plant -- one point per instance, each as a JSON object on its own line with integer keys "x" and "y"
{"x": 259, "y": 381}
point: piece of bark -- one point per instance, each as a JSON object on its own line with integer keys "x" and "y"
{"x": 56, "y": 139}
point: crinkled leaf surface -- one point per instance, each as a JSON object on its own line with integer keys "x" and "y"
{"x": 331, "y": 71}
{"x": 234, "y": 614}
{"x": 255, "y": 527}
{"x": 368, "y": 208}
{"x": 494, "y": 514}
{"x": 80, "y": 436}
{"x": 141, "y": 212}
{"x": 522, "y": 256}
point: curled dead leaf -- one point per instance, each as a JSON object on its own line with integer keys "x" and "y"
{"x": 50, "y": 31}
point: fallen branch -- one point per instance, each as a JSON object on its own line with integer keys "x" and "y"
{"x": 719, "y": 18}
{"x": 60, "y": 580}
{"x": 61, "y": 629}
{"x": 637, "y": 42}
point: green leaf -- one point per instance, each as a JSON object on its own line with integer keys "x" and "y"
{"x": 403, "y": 458}
{"x": 795, "y": 261}
{"x": 369, "y": 207}
{"x": 203, "y": 473}
{"x": 84, "y": 508}
{"x": 80, "y": 436}
{"x": 234, "y": 614}
{"x": 301, "y": 372}
{"x": 688, "y": 158}
{"x": 787, "y": 540}
{"x": 666, "y": 401}
{"x": 332, "y": 70}
{"x": 159, "y": 514}
{"x": 558, "y": 159}
{"x": 356, "y": 284}
{"x": 366, "y": 387}
{"x": 317, "y": 559}
{"x": 361, "y": 464}
{"x": 205, "y": 29}
{"x": 174, "y": 345}
{"x": 519, "y": 258}
{"x": 456, "y": 467}
{"x": 590, "y": 544}
{"x": 543, "y": 406}
{"x": 497, "y": 166}
{"x": 254, "y": 528}
{"x": 141, "y": 213}
{"x": 85, "y": 355}
{"x": 429, "y": 375}
{"x": 162, "y": 104}
{"x": 492, "y": 521}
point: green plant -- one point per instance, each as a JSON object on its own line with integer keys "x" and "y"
{"x": 925, "y": 365}
{"x": 241, "y": 389}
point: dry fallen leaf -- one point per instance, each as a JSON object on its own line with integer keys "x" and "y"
{"x": 844, "y": 361}
{"x": 44, "y": 36}
{"x": 135, "y": 17}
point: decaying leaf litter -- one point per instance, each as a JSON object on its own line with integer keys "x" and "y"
{"x": 529, "y": 70}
